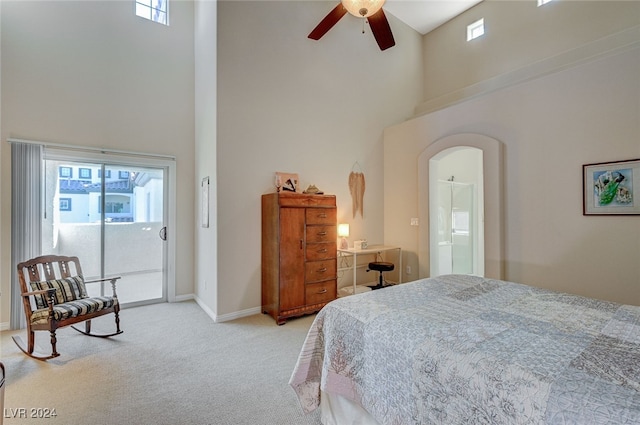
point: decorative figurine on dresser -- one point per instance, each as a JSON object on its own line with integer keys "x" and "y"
{"x": 299, "y": 265}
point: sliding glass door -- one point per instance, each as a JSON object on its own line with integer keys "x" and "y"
{"x": 111, "y": 216}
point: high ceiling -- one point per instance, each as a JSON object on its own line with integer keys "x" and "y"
{"x": 426, "y": 15}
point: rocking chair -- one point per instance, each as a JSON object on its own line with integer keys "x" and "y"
{"x": 56, "y": 297}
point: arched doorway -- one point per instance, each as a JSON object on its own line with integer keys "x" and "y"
{"x": 490, "y": 250}
{"x": 456, "y": 212}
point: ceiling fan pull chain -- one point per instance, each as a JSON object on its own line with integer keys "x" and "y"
{"x": 363, "y": 21}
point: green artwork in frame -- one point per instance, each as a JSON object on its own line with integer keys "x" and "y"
{"x": 611, "y": 188}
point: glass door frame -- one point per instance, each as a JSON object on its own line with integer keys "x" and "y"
{"x": 133, "y": 159}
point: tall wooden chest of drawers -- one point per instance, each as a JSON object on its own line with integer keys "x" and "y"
{"x": 299, "y": 274}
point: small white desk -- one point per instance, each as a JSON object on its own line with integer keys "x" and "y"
{"x": 371, "y": 249}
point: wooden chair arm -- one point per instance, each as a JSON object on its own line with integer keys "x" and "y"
{"x": 51, "y": 295}
{"x": 113, "y": 281}
{"x": 108, "y": 279}
{"x": 39, "y": 292}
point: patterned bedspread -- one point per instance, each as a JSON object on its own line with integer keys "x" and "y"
{"x": 461, "y": 349}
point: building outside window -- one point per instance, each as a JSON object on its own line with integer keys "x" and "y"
{"x": 66, "y": 172}
{"x": 85, "y": 173}
{"x": 85, "y": 194}
{"x": 65, "y": 204}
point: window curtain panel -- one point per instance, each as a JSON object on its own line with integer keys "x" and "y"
{"x": 26, "y": 217}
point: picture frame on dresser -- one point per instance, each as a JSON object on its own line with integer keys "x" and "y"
{"x": 611, "y": 188}
{"x": 287, "y": 182}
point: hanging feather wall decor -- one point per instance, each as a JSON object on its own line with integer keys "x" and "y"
{"x": 356, "y": 188}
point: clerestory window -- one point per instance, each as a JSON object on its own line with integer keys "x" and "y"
{"x": 153, "y": 10}
{"x": 475, "y": 30}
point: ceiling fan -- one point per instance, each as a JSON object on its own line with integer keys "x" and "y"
{"x": 369, "y": 9}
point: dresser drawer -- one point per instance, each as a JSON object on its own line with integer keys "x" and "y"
{"x": 316, "y": 234}
{"x": 290, "y": 199}
{"x": 321, "y": 216}
{"x": 322, "y": 292}
{"x": 316, "y": 271}
{"x": 321, "y": 251}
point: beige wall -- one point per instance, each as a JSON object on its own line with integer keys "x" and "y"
{"x": 518, "y": 34}
{"x": 288, "y": 103}
{"x": 93, "y": 74}
{"x": 583, "y": 112}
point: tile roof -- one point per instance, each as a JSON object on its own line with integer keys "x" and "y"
{"x": 68, "y": 186}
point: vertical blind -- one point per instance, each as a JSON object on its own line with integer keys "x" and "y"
{"x": 26, "y": 216}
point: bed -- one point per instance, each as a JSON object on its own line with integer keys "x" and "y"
{"x": 461, "y": 349}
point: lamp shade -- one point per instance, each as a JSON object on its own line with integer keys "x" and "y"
{"x": 362, "y": 8}
{"x": 343, "y": 230}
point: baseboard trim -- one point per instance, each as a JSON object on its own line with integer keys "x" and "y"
{"x": 4, "y": 326}
{"x": 226, "y": 317}
{"x": 239, "y": 314}
{"x": 180, "y": 298}
{"x": 205, "y": 308}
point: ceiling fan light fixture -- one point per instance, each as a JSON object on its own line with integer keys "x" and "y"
{"x": 362, "y": 8}
{"x": 371, "y": 10}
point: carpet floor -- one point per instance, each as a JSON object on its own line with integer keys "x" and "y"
{"x": 172, "y": 365}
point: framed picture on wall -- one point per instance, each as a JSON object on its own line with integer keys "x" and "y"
{"x": 611, "y": 188}
{"x": 287, "y": 182}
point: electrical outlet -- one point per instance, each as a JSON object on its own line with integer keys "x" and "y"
{"x": 408, "y": 269}
{"x": 414, "y": 221}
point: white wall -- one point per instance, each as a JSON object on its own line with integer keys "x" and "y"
{"x": 550, "y": 127}
{"x": 205, "y": 38}
{"x": 288, "y": 103}
{"x": 93, "y": 74}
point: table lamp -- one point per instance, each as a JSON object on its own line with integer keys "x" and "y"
{"x": 343, "y": 232}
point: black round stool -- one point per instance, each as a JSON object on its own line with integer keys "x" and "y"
{"x": 380, "y": 266}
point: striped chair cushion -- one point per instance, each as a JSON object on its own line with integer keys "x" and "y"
{"x": 73, "y": 309}
{"x": 67, "y": 289}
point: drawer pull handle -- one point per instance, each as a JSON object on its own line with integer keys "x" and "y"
{"x": 322, "y": 270}
{"x": 322, "y": 251}
{"x": 324, "y": 291}
{"x": 322, "y": 233}
{"x": 322, "y": 215}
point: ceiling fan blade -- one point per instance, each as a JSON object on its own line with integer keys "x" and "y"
{"x": 381, "y": 30}
{"x": 328, "y": 22}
